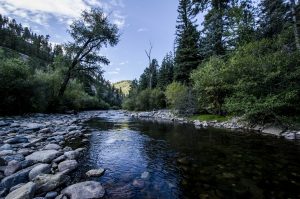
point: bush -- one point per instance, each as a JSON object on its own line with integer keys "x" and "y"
{"x": 145, "y": 100}
{"x": 16, "y": 88}
{"x": 211, "y": 86}
{"x": 157, "y": 99}
{"x": 46, "y": 88}
{"x": 180, "y": 98}
{"x": 129, "y": 104}
{"x": 266, "y": 81}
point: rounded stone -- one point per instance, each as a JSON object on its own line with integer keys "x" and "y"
{"x": 84, "y": 190}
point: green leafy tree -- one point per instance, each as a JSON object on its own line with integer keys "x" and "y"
{"x": 90, "y": 34}
{"x": 265, "y": 81}
{"x": 16, "y": 88}
{"x": 180, "y": 98}
{"x": 211, "y": 85}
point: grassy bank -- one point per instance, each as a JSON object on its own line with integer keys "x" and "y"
{"x": 208, "y": 117}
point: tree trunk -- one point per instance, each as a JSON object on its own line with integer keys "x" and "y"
{"x": 295, "y": 21}
{"x": 64, "y": 84}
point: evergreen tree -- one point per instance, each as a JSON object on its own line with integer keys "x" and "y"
{"x": 239, "y": 24}
{"x": 187, "y": 56}
{"x": 274, "y": 17}
{"x": 295, "y": 8}
{"x": 149, "y": 77}
{"x": 165, "y": 74}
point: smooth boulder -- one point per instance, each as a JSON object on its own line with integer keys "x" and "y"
{"x": 85, "y": 190}
{"x": 69, "y": 165}
{"x": 49, "y": 182}
{"x": 16, "y": 178}
{"x": 17, "y": 140}
{"x": 95, "y": 172}
{"x": 45, "y": 156}
{"x": 12, "y": 167}
{"x": 52, "y": 147}
{"x": 71, "y": 155}
{"x": 24, "y": 192}
{"x": 39, "y": 169}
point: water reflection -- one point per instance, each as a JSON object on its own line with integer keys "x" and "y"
{"x": 179, "y": 161}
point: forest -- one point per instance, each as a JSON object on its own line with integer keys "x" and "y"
{"x": 36, "y": 76}
{"x": 243, "y": 59}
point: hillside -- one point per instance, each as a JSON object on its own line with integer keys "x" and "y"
{"x": 123, "y": 85}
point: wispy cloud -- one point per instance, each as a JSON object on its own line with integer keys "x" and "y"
{"x": 41, "y": 12}
{"x": 117, "y": 3}
{"x": 113, "y": 72}
{"x": 142, "y": 30}
{"x": 116, "y": 71}
{"x": 123, "y": 63}
{"x": 119, "y": 19}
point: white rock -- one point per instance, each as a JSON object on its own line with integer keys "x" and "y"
{"x": 85, "y": 190}
{"x": 45, "y": 156}
{"x": 52, "y": 147}
{"x": 25, "y": 192}
{"x": 145, "y": 175}
{"x": 39, "y": 169}
{"x": 69, "y": 165}
{"x": 95, "y": 172}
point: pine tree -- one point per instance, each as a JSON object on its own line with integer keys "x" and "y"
{"x": 295, "y": 8}
{"x": 273, "y": 17}
{"x": 165, "y": 74}
{"x": 187, "y": 56}
{"x": 149, "y": 77}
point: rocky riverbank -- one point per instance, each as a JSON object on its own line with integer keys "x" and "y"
{"x": 35, "y": 161}
{"x": 234, "y": 123}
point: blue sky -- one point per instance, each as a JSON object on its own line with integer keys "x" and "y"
{"x": 140, "y": 21}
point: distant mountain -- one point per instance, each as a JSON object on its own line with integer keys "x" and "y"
{"x": 123, "y": 85}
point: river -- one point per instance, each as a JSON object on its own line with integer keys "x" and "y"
{"x": 151, "y": 159}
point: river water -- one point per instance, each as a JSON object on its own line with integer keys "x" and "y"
{"x": 150, "y": 159}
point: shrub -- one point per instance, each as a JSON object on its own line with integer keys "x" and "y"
{"x": 266, "y": 81}
{"x": 148, "y": 99}
{"x": 16, "y": 88}
{"x": 180, "y": 98}
{"x": 210, "y": 85}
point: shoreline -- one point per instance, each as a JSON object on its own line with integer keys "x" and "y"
{"x": 36, "y": 159}
{"x": 233, "y": 124}
{"x": 35, "y": 154}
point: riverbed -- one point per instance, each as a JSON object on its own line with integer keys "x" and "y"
{"x": 156, "y": 159}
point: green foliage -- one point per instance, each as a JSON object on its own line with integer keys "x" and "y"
{"x": 15, "y": 86}
{"x": 265, "y": 80}
{"x": 149, "y": 77}
{"x": 33, "y": 75}
{"x": 148, "y": 99}
{"x": 180, "y": 98}
{"x": 165, "y": 73}
{"x": 187, "y": 55}
{"x": 46, "y": 88}
{"x": 210, "y": 84}
{"x": 274, "y": 18}
{"x": 124, "y": 86}
{"x": 90, "y": 33}
{"x": 21, "y": 39}
{"x": 129, "y": 104}
{"x": 209, "y": 117}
